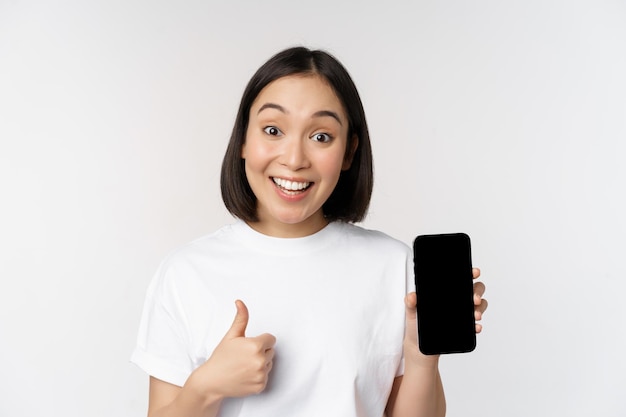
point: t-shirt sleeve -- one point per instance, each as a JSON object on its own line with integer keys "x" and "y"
{"x": 161, "y": 349}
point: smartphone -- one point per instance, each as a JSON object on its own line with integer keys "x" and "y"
{"x": 445, "y": 292}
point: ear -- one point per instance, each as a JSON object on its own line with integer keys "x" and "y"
{"x": 243, "y": 151}
{"x": 350, "y": 151}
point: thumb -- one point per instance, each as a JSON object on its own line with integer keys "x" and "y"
{"x": 410, "y": 302}
{"x": 238, "y": 328}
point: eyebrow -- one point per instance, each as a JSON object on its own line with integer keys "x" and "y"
{"x": 321, "y": 113}
{"x": 327, "y": 113}
{"x": 273, "y": 106}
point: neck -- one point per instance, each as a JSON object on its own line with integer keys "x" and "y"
{"x": 285, "y": 230}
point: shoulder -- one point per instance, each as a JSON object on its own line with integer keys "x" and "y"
{"x": 210, "y": 244}
{"x": 191, "y": 258}
{"x": 374, "y": 239}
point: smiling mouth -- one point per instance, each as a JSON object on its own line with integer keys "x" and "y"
{"x": 291, "y": 187}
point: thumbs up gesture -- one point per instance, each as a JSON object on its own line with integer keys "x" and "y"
{"x": 239, "y": 365}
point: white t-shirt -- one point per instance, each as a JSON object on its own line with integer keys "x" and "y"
{"x": 334, "y": 300}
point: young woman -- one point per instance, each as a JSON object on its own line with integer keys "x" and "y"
{"x": 320, "y": 327}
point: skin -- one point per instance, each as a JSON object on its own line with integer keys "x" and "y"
{"x": 239, "y": 366}
{"x": 420, "y": 392}
{"x": 297, "y": 132}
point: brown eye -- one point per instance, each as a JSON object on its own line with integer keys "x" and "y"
{"x": 322, "y": 137}
{"x": 272, "y": 131}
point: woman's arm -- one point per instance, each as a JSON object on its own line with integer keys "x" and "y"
{"x": 238, "y": 367}
{"x": 171, "y": 400}
{"x": 419, "y": 392}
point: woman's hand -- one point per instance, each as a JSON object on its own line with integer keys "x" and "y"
{"x": 480, "y": 304}
{"x": 411, "y": 349}
{"x": 239, "y": 366}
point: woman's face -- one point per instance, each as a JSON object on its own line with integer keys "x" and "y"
{"x": 294, "y": 152}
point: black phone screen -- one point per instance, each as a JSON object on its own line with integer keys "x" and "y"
{"x": 445, "y": 306}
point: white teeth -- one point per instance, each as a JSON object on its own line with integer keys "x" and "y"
{"x": 290, "y": 185}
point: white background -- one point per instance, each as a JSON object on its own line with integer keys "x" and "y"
{"x": 502, "y": 119}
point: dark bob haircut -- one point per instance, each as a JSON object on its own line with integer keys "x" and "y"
{"x": 351, "y": 197}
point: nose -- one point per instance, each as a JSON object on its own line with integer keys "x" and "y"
{"x": 294, "y": 154}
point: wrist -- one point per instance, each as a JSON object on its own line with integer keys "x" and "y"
{"x": 202, "y": 393}
{"x": 413, "y": 357}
